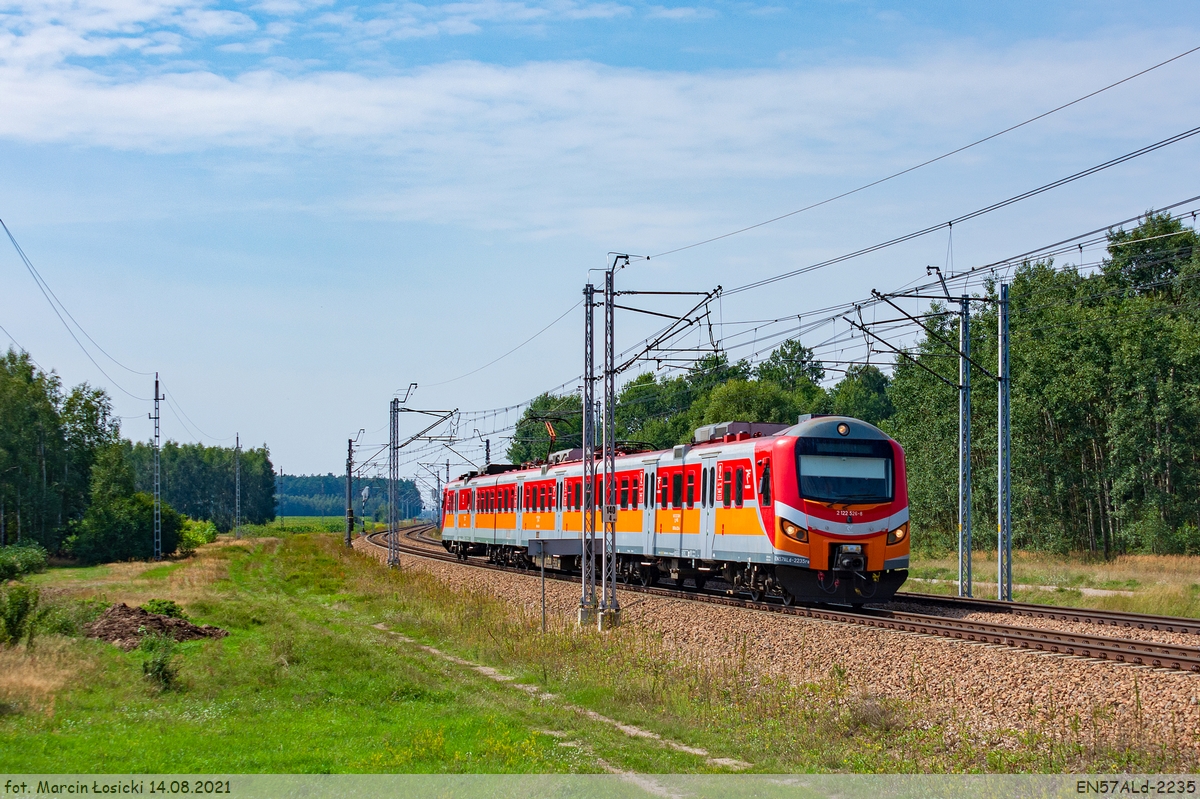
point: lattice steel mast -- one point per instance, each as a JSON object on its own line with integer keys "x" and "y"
{"x": 157, "y": 480}
{"x": 237, "y": 486}
{"x": 393, "y": 537}
{"x": 610, "y": 608}
{"x": 587, "y": 599}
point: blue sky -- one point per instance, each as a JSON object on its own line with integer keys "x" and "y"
{"x": 292, "y": 208}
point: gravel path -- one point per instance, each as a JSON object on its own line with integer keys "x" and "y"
{"x": 972, "y": 689}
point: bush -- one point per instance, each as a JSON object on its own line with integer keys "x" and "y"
{"x": 165, "y": 607}
{"x": 70, "y": 617}
{"x": 159, "y": 668}
{"x": 195, "y": 534}
{"x": 21, "y": 559}
{"x": 18, "y": 614}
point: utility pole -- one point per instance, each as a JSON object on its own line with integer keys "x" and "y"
{"x": 157, "y": 482}
{"x": 393, "y": 537}
{"x": 487, "y": 453}
{"x": 349, "y": 490}
{"x": 587, "y": 597}
{"x": 610, "y": 608}
{"x": 964, "y": 448}
{"x": 237, "y": 486}
{"x": 1003, "y": 454}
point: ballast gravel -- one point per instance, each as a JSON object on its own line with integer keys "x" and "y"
{"x": 970, "y": 689}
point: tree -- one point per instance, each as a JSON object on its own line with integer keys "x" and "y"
{"x": 790, "y": 364}
{"x": 531, "y": 439}
{"x": 1150, "y": 258}
{"x": 119, "y": 523}
{"x": 200, "y": 481}
{"x": 88, "y": 426}
{"x": 862, "y": 394}
{"x": 32, "y": 453}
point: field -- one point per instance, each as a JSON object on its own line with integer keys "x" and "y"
{"x": 313, "y": 677}
{"x": 1166, "y": 585}
{"x": 285, "y": 525}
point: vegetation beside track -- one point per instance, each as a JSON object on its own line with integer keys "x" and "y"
{"x": 1161, "y": 585}
{"x": 306, "y": 683}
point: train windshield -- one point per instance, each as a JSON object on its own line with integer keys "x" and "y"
{"x": 844, "y": 471}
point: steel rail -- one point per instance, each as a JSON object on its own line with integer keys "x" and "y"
{"x": 1051, "y": 642}
{"x": 1112, "y": 618}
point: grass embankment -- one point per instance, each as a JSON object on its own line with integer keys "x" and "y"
{"x": 306, "y": 683}
{"x": 1167, "y": 585}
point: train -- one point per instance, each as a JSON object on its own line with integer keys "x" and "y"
{"x": 815, "y": 512}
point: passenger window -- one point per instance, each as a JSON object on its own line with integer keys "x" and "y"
{"x": 691, "y": 490}
{"x": 633, "y": 493}
{"x": 677, "y": 490}
{"x": 624, "y": 493}
{"x": 739, "y": 490}
{"x": 704, "y": 488}
{"x": 727, "y": 499}
{"x": 662, "y": 492}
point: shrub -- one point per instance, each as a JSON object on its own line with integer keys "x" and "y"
{"x": 159, "y": 667}
{"x": 195, "y": 534}
{"x": 18, "y": 614}
{"x": 69, "y": 617}
{"x": 21, "y": 559}
{"x": 164, "y": 607}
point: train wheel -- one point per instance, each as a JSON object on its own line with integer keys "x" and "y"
{"x": 700, "y": 581}
{"x": 788, "y": 599}
{"x": 646, "y": 575}
{"x": 755, "y": 594}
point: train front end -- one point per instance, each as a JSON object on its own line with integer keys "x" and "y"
{"x": 841, "y": 512}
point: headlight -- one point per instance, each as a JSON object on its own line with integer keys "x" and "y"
{"x": 898, "y": 535}
{"x": 793, "y": 531}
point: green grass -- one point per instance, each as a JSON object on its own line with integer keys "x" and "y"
{"x": 301, "y": 684}
{"x": 306, "y": 683}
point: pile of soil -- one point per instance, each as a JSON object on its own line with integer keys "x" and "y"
{"x": 124, "y": 626}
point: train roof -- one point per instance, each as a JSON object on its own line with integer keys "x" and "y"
{"x": 808, "y": 426}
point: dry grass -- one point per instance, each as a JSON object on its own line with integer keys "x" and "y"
{"x": 183, "y": 579}
{"x": 29, "y": 679}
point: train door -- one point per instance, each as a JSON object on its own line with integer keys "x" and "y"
{"x": 649, "y": 523}
{"x": 558, "y": 505}
{"x": 708, "y": 493}
{"x": 493, "y": 497}
{"x": 472, "y": 513}
{"x": 520, "y": 489}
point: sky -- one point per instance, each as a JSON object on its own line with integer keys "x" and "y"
{"x": 293, "y": 209}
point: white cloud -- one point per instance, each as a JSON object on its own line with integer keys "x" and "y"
{"x": 552, "y": 146}
{"x": 680, "y": 12}
{"x": 256, "y": 46}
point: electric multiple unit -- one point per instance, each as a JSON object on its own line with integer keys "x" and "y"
{"x": 813, "y": 512}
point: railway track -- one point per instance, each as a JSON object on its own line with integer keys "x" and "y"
{"x": 1120, "y": 650}
{"x": 1110, "y": 618}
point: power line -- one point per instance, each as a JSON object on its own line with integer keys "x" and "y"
{"x": 971, "y": 215}
{"x": 894, "y": 175}
{"x": 176, "y": 406}
{"x": 510, "y": 352}
{"x": 47, "y": 293}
